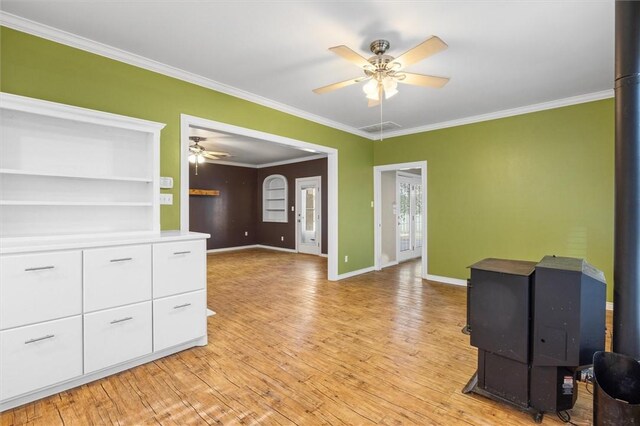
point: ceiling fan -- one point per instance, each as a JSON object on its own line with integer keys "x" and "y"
{"x": 197, "y": 154}
{"x": 383, "y": 72}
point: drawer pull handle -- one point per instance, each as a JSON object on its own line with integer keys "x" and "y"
{"x": 124, "y": 259}
{"x": 182, "y": 252}
{"x": 39, "y": 268}
{"x": 184, "y": 305}
{"x": 48, "y": 336}
{"x": 121, "y": 320}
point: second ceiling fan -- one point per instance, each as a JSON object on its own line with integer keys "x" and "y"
{"x": 384, "y": 72}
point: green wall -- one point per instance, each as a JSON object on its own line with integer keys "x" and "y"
{"x": 35, "y": 67}
{"x": 520, "y": 187}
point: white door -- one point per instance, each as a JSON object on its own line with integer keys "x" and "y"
{"x": 409, "y": 208}
{"x": 308, "y": 215}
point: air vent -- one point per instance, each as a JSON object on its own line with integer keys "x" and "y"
{"x": 375, "y": 128}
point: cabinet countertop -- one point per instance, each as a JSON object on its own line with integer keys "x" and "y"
{"x": 11, "y": 246}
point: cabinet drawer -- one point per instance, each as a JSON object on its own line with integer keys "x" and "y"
{"x": 178, "y": 319}
{"x": 39, "y": 287}
{"x": 179, "y": 267}
{"x": 116, "y": 276}
{"x": 116, "y": 335}
{"x": 37, "y": 356}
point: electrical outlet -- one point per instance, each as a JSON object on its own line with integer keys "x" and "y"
{"x": 293, "y": 208}
{"x": 372, "y": 204}
{"x": 166, "y": 199}
{"x": 282, "y": 238}
{"x": 246, "y": 234}
{"x": 346, "y": 259}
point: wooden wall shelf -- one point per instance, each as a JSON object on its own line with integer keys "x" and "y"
{"x": 205, "y": 192}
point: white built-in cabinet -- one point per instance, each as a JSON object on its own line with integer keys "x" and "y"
{"x": 89, "y": 286}
{"x": 274, "y": 199}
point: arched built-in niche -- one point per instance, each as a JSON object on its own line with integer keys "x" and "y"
{"x": 274, "y": 199}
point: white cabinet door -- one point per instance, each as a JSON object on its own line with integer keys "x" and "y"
{"x": 116, "y": 335}
{"x": 116, "y": 276}
{"x": 39, "y": 287}
{"x": 179, "y": 267}
{"x": 178, "y": 319}
{"x": 41, "y": 355}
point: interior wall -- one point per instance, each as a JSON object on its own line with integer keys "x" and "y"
{"x": 388, "y": 217}
{"x": 271, "y": 233}
{"x": 39, "y": 68}
{"x": 229, "y": 215}
{"x": 519, "y": 188}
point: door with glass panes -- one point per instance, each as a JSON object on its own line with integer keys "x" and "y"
{"x": 409, "y": 215}
{"x": 308, "y": 215}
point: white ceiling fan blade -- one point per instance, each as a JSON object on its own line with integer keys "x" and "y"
{"x": 429, "y": 47}
{"x": 351, "y": 56}
{"x": 218, "y": 153}
{"x": 423, "y": 80}
{"x": 340, "y": 85}
{"x": 210, "y": 156}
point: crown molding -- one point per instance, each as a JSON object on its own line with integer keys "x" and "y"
{"x": 264, "y": 165}
{"x": 558, "y": 103}
{"x": 59, "y": 36}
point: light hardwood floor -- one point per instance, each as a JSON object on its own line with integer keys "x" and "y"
{"x": 289, "y": 347}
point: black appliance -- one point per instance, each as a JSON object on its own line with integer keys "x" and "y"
{"x": 534, "y": 324}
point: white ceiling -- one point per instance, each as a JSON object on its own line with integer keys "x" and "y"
{"x": 247, "y": 151}
{"x": 502, "y": 54}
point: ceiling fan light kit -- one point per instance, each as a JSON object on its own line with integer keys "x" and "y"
{"x": 383, "y": 72}
{"x": 198, "y": 155}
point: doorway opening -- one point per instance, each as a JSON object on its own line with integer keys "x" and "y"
{"x": 263, "y": 160}
{"x": 400, "y": 211}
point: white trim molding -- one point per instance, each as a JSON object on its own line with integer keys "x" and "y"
{"x": 274, "y": 248}
{"x": 446, "y": 280}
{"x": 558, "y": 103}
{"x": 236, "y": 248}
{"x": 356, "y": 272}
{"x": 59, "y": 36}
{"x": 264, "y": 165}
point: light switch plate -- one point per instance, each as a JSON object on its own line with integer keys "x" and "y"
{"x": 166, "y": 182}
{"x": 166, "y": 199}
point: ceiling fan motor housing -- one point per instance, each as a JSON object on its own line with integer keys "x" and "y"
{"x": 379, "y": 47}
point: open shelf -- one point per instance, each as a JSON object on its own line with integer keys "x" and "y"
{"x": 274, "y": 199}
{"x": 66, "y": 171}
{"x": 72, "y": 175}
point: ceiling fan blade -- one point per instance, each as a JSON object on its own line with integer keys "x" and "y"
{"x": 423, "y": 80}
{"x": 429, "y": 47}
{"x": 340, "y": 85}
{"x": 373, "y": 102}
{"x": 218, "y": 154}
{"x": 351, "y": 56}
{"x": 210, "y": 156}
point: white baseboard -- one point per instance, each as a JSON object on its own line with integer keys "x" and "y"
{"x": 262, "y": 246}
{"x": 354, "y": 273}
{"x": 392, "y": 263}
{"x": 220, "y": 250}
{"x": 210, "y": 312}
{"x": 609, "y": 306}
{"x": 323, "y": 255}
{"x": 447, "y": 280}
{"x": 252, "y": 246}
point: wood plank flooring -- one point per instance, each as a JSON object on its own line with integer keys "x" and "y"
{"x": 288, "y": 347}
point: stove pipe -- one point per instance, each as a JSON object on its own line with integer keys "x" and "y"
{"x": 626, "y": 269}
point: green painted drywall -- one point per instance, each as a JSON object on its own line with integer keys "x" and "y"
{"x": 35, "y": 67}
{"x": 520, "y": 187}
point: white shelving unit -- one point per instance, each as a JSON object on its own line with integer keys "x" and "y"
{"x": 274, "y": 199}
{"x": 68, "y": 171}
